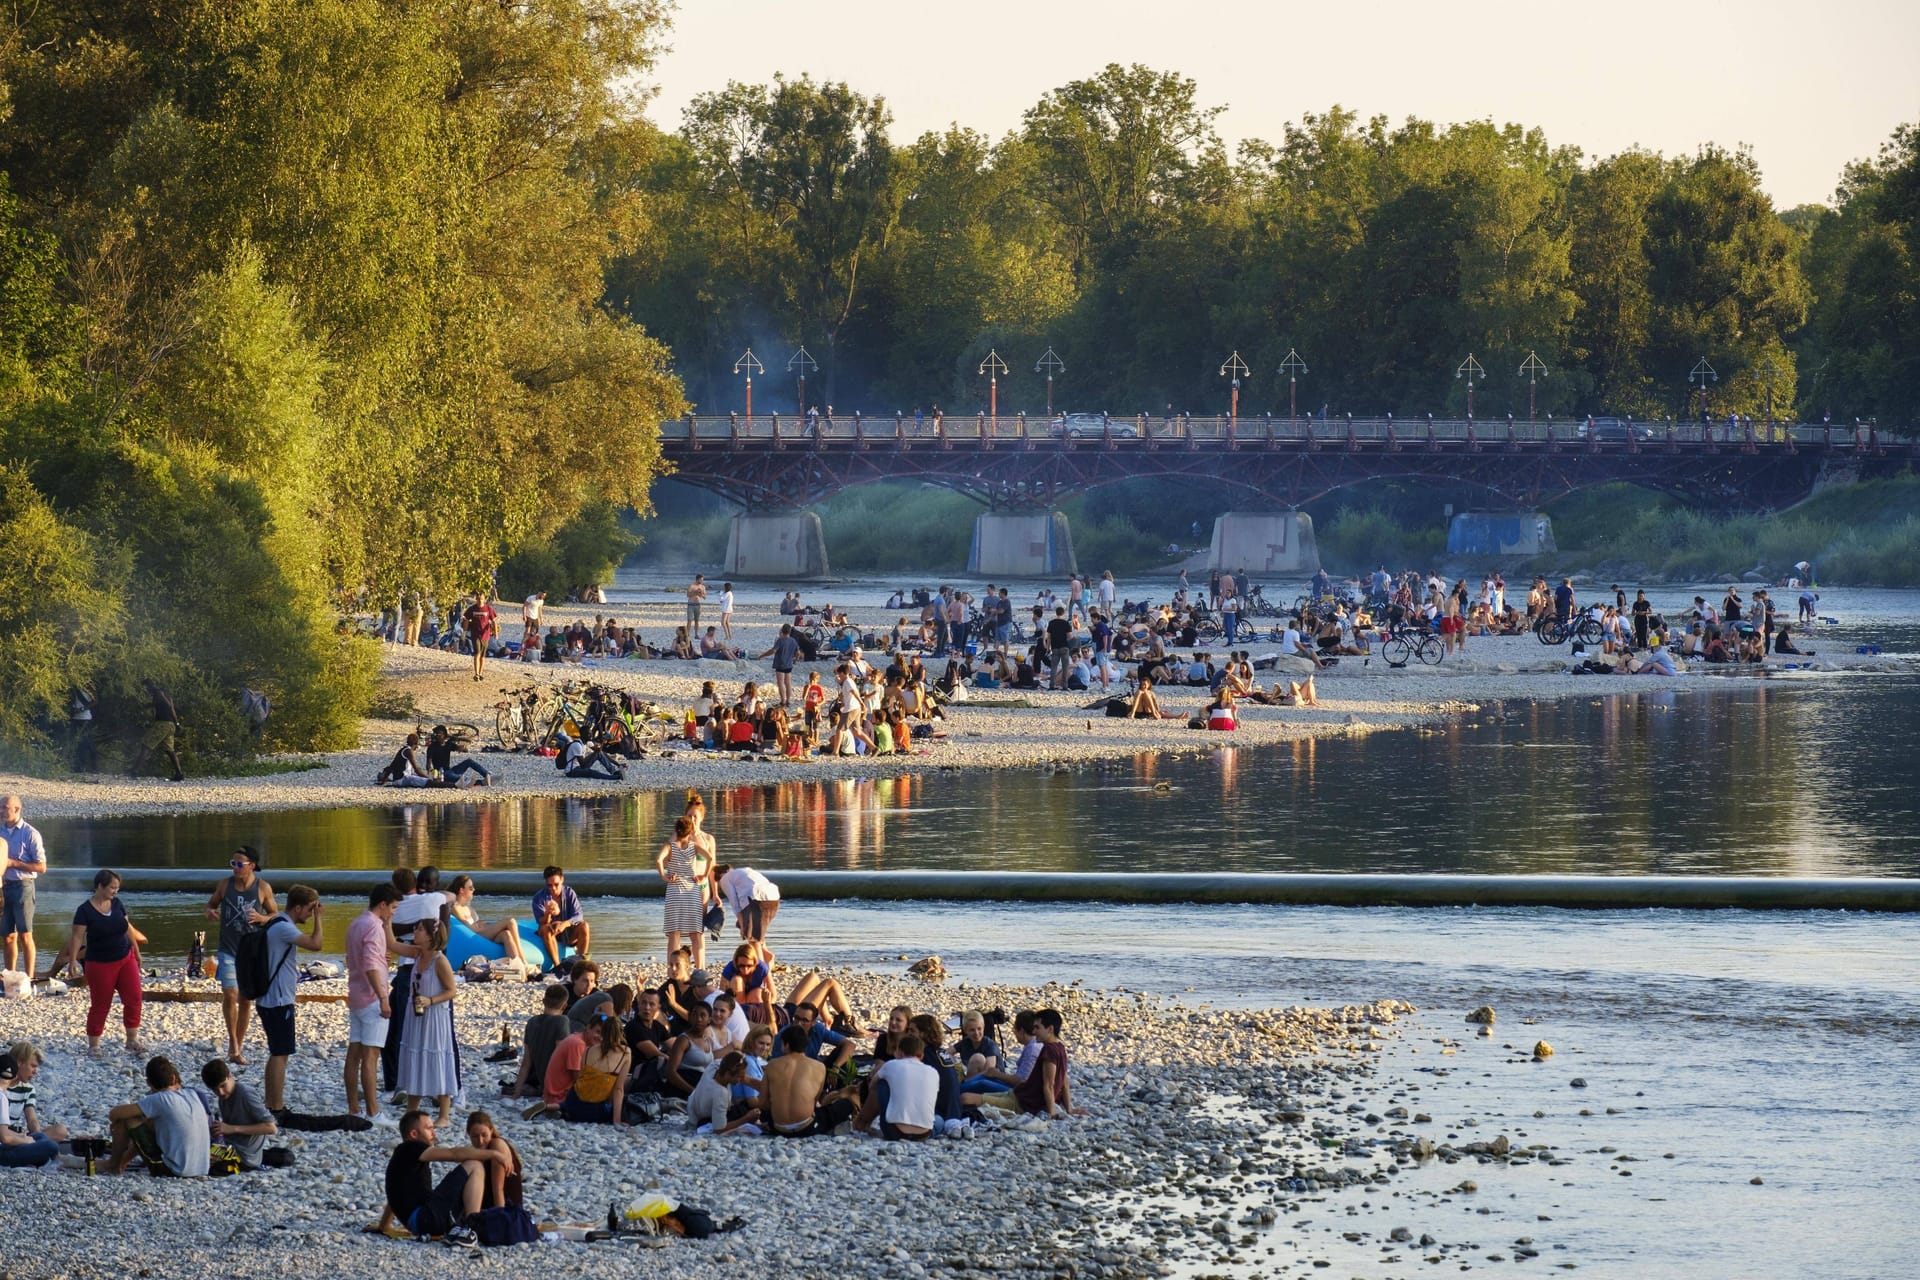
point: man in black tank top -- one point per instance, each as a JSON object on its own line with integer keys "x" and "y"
{"x": 232, "y": 901}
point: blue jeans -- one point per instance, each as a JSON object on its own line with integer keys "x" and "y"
{"x": 1230, "y": 621}
{"x": 28, "y": 1155}
{"x": 466, "y": 766}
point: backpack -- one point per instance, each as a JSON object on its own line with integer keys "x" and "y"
{"x": 250, "y": 962}
{"x": 504, "y": 1225}
{"x": 1119, "y": 708}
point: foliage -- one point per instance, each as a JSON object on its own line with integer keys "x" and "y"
{"x": 303, "y": 300}
{"x": 583, "y": 552}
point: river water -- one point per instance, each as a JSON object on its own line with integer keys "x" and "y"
{"x": 1717, "y": 1047}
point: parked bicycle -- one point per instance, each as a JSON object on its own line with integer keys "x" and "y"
{"x": 1407, "y": 643}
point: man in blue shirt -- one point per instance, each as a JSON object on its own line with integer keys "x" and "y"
{"x": 558, "y": 917}
{"x": 819, "y": 1037}
{"x": 26, "y": 858}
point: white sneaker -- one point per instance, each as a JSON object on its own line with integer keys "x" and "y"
{"x": 383, "y": 1120}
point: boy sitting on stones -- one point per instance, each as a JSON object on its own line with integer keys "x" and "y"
{"x": 168, "y": 1128}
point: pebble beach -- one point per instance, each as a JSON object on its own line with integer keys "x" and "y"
{"x": 1232, "y": 1114}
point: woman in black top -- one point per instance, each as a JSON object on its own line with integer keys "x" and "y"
{"x": 111, "y": 948}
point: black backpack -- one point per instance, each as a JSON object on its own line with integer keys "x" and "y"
{"x": 251, "y": 969}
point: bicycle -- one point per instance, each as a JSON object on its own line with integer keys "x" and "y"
{"x": 459, "y": 733}
{"x": 1407, "y": 643}
{"x": 1552, "y": 630}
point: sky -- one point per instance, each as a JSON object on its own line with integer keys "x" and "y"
{"x": 1808, "y": 87}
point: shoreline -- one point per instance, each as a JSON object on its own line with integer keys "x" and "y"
{"x": 1149, "y": 1072}
{"x": 1359, "y": 696}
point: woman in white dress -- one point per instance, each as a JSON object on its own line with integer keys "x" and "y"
{"x": 427, "y": 1046}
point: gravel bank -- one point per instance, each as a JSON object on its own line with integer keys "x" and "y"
{"x": 1358, "y": 696}
{"x": 1221, "y": 1119}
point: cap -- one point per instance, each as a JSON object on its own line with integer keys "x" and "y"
{"x": 701, "y": 978}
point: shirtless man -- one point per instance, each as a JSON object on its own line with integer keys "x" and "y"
{"x": 790, "y": 1090}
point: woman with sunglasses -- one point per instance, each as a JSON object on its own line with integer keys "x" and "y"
{"x": 234, "y": 901}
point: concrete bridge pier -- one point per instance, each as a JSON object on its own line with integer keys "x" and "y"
{"x": 1021, "y": 544}
{"x": 785, "y": 545}
{"x": 1500, "y": 533}
{"x": 1264, "y": 543}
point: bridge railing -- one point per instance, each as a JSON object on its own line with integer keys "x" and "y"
{"x": 1152, "y": 431}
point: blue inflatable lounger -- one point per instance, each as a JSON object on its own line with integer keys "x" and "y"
{"x": 463, "y": 944}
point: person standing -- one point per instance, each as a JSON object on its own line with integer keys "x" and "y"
{"x": 1642, "y": 618}
{"x": 680, "y": 865}
{"x": 428, "y": 1049}
{"x": 80, "y": 707}
{"x": 369, "y": 1009}
{"x": 1108, "y": 592}
{"x": 726, "y": 613}
{"x": 481, "y": 620}
{"x": 232, "y": 905}
{"x": 160, "y": 735}
{"x": 1229, "y": 610}
{"x": 420, "y": 899}
{"x": 753, "y": 897}
{"x": 957, "y": 620}
{"x": 112, "y": 947}
{"x": 784, "y": 651}
{"x": 26, "y": 858}
{"x": 530, "y": 610}
{"x": 1076, "y": 598}
{"x": 276, "y": 1006}
{"x": 695, "y": 594}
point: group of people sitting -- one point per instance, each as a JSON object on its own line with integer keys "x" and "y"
{"x": 746, "y": 1062}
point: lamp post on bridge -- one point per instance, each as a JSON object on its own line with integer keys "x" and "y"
{"x": 1535, "y": 369}
{"x": 749, "y": 365}
{"x": 992, "y": 367}
{"x": 1702, "y": 373}
{"x": 802, "y": 363}
{"x": 1049, "y": 364}
{"x": 1238, "y": 369}
{"x": 1293, "y": 366}
{"x": 1470, "y": 369}
{"x": 1769, "y": 372}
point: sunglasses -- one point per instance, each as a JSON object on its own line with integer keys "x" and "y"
{"x": 238, "y": 863}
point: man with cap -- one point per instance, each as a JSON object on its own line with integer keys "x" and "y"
{"x": 26, "y": 858}
{"x": 231, "y": 905}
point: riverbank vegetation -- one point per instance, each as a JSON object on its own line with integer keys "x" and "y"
{"x": 300, "y": 304}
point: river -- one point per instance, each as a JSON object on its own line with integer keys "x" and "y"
{"x": 1717, "y": 1047}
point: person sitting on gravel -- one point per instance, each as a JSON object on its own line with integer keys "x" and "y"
{"x": 540, "y": 1037}
{"x": 580, "y": 758}
{"x": 20, "y": 1106}
{"x": 711, "y": 646}
{"x": 1146, "y": 706}
{"x": 692, "y": 1052}
{"x": 583, "y": 981}
{"x": 243, "y": 1122}
{"x": 405, "y": 770}
{"x": 711, "y": 1108}
{"x": 647, "y": 1037}
{"x": 792, "y": 1091}
{"x": 19, "y": 1148}
{"x": 1045, "y": 1090}
{"x": 902, "y": 1094}
{"x": 416, "y": 1204}
{"x": 167, "y": 1129}
{"x": 505, "y": 1179}
{"x": 599, "y": 1088}
{"x": 440, "y": 760}
{"x": 992, "y": 1084}
{"x": 728, "y": 1017}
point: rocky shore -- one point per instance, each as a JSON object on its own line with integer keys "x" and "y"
{"x": 1203, "y": 1127}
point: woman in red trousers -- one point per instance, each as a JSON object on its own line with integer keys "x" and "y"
{"x": 112, "y": 949}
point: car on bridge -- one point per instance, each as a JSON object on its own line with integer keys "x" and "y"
{"x": 1620, "y": 430}
{"x": 1082, "y": 426}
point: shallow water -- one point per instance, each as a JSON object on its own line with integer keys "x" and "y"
{"x": 1771, "y": 1045}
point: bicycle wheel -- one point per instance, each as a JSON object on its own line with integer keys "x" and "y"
{"x": 1396, "y": 651}
{"x": 1591, "y": 631}
{"x": 462, "y": 734}
{"x": 510, "y": 727}
{"x": 1551, "y": 631}
{"x": 1429, "y": 651}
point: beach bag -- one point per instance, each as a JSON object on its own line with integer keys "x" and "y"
{"x": 1118, "y": 709}
{"x": 694, "y": 1224}
{"x": 507, "y": 969}
{"x": 477, "y": 969}
{"x": 714, "y": 919}
{"x": 250, "y": 965}
{"x": 222, "y": 1161}
{"x": 504, "y": 1225}
{"x": 277, "y": 1158}
{"x": 642, "y": 1108}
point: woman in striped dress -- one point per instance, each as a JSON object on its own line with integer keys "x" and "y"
{"x": 704, "y": 860}
{"x": 681, "y": 865}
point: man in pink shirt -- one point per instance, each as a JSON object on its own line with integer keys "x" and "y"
{"x": 369, "y": 941}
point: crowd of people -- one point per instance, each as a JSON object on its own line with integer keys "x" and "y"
{"x": 737, "y": 1050}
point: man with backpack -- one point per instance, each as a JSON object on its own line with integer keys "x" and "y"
{"x": 269, "y": 978}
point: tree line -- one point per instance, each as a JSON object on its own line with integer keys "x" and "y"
{"x": 1114, "y": 228}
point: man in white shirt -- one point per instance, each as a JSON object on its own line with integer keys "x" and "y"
{"x": 753, "y": 897}
{"x": 530, "y": 616}
{"x": 1295, "y": 645}
{"x": 1107, "y": 593}
{"x": 903, "y": 1094}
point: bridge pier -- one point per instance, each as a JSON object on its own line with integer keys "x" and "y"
{"x": 1264, "y": 542}
{"x": 785, "y": 545}
{"x": 1021, "y": 544}
{"x": 1500, "y": 533}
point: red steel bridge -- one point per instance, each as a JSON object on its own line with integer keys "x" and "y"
{"x": 1016, "y": 463}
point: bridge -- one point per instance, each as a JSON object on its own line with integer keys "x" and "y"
{"x": 1017, "y": 468}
